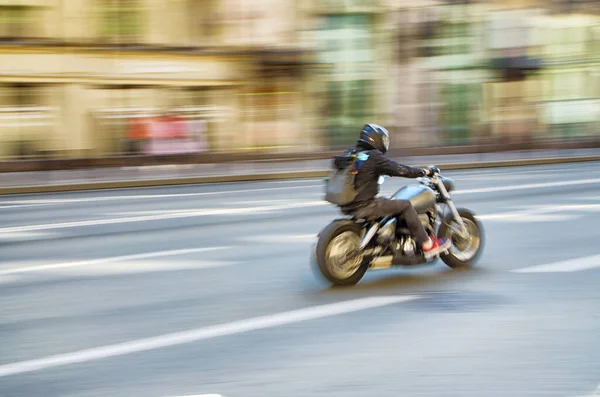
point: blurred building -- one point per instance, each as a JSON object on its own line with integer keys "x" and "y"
{"x": 113, "y": 77}
{"x": 441, "y": 69}
{"x": 350, "y": 37}
{"x": 569, "y": 84}
{"x": 547, "y": 64}
{"x": 406, "y": 64}
{"x": 101, "y": 77}
{"x": 489, "y": 71}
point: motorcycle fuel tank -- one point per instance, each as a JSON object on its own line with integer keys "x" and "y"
{"x": 421, "y": 197}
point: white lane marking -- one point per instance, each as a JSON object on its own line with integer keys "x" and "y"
{"x": 542, "y": 210}
{"x": 98, "y": 261}
{"x": 173, "y": 214}
{"x": 530, "y": 169}
{"x": 296, "y": 181}
{"x": 569, "y": 207}
{"x": 179, "y": 214}
{"x": 210, "y": 211}
{"x": 528, "y": 218}
{"x": 188, "y": 211}
{"x": 16, "y": 236}
{"x": 514, "y": 187}
{"x": 521, "y": 174}
{"x": 202, "y": 395}
{"x": 147, "y": 196}
{"x": 9, "y": 279}
{"x": 511, "y": 174}
{"x": 148, "y": 266}
{"x": 203, "y": 333}
{"x": 150, "y": 188}
{"x": 246, "y": 202}
{"x": 45, "y": 202}
{"x": 5, "y": 207}
{"x": 589, "y": 198}
{"x": 571, "y": 265}
{"x": 529, "y": 186}
{"x": 506, "y": 177}
{"x": 279, "y": 238}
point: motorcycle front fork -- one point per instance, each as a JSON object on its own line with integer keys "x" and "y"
{"x": 462, "y": 232}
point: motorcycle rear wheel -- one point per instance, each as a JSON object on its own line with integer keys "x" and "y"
{"x": 335, "y": 242}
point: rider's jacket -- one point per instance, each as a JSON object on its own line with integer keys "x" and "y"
{"x": 371, "y": 165}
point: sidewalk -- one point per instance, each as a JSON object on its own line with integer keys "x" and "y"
{"x": 102, "y": 178}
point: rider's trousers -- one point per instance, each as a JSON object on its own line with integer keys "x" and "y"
{"x": 380, "y": 207}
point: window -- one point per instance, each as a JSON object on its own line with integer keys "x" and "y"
{"x": 347, "y": 39}
{"x": 21, "y": 95}
{"x": 121, "y": 21}
{"x": 438, "y": 38}
{"x": 28, "y": 124}
{"x": 18, "y": 22}
{"x": 203, "y": 22}
{"x": 426, "y": 39}
{"x": 346, "y": 42}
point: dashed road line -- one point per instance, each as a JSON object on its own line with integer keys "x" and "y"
{"x": 162, "y": 216}
{"x": 203, "y": 333}
{"x": 113, "y": 259}
{"x": 571, "y": 265}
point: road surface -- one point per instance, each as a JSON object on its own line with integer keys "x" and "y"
{"x": 200, "y": 290}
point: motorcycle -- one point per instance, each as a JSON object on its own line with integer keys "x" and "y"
{"x": 348, "y": 247}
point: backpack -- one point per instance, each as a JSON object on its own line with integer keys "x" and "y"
{"x": 340, "y": 189}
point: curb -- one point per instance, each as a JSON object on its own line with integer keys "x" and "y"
{"x": 269, "y": 176}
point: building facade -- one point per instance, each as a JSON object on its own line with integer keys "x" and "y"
{"x": 486, "y": 71}
{"x": 86, "y": 78}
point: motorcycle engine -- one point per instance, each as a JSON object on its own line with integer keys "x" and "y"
{"x": 387, "y": 233}
{"x": 408, "y": 247}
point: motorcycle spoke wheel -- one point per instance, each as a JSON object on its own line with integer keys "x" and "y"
{"x": 465, "y": 248}
{"x": 337, "y": 252}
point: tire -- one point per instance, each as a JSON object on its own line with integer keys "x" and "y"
{"x": 461, "y": 259}
{"x": 339, "y": 229}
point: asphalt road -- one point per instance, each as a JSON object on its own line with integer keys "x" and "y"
{"x": 208, "y": 290}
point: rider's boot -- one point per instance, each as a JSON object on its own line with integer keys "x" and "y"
{"x": 439, "y": 245}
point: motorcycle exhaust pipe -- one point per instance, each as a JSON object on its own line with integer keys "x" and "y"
{"x": 383, "y": 262}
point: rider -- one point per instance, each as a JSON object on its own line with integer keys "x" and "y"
{"x": 372, "y": 146}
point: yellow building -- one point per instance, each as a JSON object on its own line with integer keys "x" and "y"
{"x": 78, "y": 76}
{"x": 569, "y": 94}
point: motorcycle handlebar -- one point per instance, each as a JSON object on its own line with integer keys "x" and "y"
{"x": 433, "y": 170}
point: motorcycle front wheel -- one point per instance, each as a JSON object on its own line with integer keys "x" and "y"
{"x": 335, "y": 242}
{"x": 465, "y": 250}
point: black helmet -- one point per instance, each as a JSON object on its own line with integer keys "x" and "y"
{"x": 376, "y": 137}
